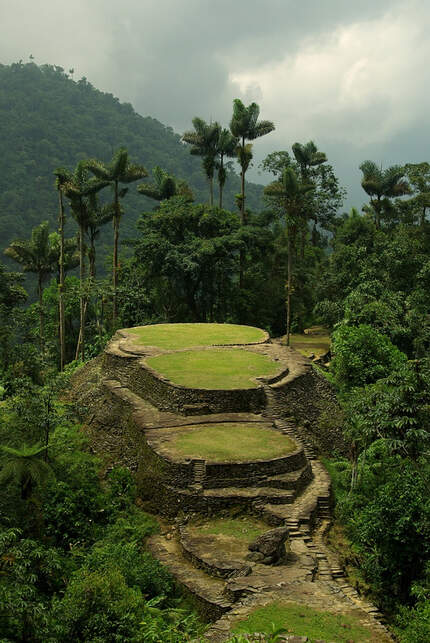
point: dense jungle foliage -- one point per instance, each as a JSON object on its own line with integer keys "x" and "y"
{"x": 73, "y": 564}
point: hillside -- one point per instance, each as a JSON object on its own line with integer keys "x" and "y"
{"x": 49, "y": 120}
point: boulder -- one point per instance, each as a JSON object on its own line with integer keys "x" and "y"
{"x": 271, "y": 545}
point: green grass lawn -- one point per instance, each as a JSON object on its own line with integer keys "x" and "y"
{"x": 227, "y": 442}
{"x": 171, "y": 336}
{"x": 301, "y": 620}
{"x": 215, "y": 368}
{"x": 245, "y": 529}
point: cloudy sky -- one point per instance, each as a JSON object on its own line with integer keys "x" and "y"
{"x": 352, "y": 76}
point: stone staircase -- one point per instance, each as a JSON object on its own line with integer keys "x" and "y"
{"x": 275, "y": 409}
{"x": 199, "y": 474}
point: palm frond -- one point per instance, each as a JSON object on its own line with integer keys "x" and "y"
{"x": 261, "y": 129}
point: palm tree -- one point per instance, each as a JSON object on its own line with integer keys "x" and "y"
{"x": 204, "y": 140}
{"x": 165, "y": 186}
{"x": 307, "y": 156}
{"x": 77, "y": 188}
{"x": 26, "y": 466}
{"x": 290, "y": 193}
{"x": 39, "y": 256}
{"x": 244, "y": 125}
{"x": 383, "y": 185}
{"x": 97, "y": 216}
{"x": 226, "y": 146}
{"x": 70, "y": 253}
{"x": 119, "y": 170}
{"x": 61, "y": 177}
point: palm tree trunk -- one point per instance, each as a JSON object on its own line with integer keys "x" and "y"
{"x": 211, "y": 191}
{"x": 92, "y": 259}
{"x": 81, "y": 341}
{"x": 354, "y": 467}
{"x": 61, "y": 284}
{"x": 287, "y": 340}
{"x": 220, "y": 181}
{"x": 41, "y": 315}
{"x": 378, "y": 213}
{"x": 242, "y": 184}
{"x": 115, "y": 255}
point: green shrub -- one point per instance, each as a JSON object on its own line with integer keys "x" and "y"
{"x": 362, "y": 355}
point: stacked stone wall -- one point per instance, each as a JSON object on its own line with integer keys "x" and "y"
{"x": 168, "y": 396}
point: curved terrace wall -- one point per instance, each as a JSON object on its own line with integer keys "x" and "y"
{"x": 167, "y": 395}
{"x": 180, "y": 472}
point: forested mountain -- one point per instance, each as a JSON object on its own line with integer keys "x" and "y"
{"x": 49, "y": 120}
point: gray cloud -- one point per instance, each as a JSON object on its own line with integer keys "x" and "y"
{"x": 353, "y": 76}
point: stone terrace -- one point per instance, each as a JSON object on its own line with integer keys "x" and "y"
{"x": 292, "y": 490}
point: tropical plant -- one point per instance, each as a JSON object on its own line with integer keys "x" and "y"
{"x": 244, "y": 125}
{"x": 307, "y": 157}
{"x": 78, "y": 187}
{"x": 226, "y": 147}
{"x": 26, "y": 467}
{"x": 418, "y": 175}
{"x": 290, "y": 195}
{"x": 383, "y": 185}
{"x": 204, "y": 141}
{"x": 164, "y": 186}
{"x": 36, "y": 255}
{"x": 97, "y": 216}
{"x": 61, "y": 176}
{"x": 119, "y": 170}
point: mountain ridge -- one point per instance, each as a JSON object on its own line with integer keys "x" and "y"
{"x": 47, "y": 120}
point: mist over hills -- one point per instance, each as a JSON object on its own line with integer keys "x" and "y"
{"x": 47, "y": 120}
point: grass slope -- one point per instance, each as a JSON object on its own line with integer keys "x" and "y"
{"x": 245, "y": 529}
{"x": 301, "y": 620}
{"x": 214, "y": 368}
{"x": 229, "y": 442}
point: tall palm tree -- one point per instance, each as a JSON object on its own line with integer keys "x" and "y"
{"x": 307, "y": 156}
{"x": 226, "y": 147}
{"x": 290, "y": 194}
{"x": 383, "y": 185}
{"x": 26, "y": 466}
{"x": 61, "y": 176}
{"x": 39, "y": 256}
{"x": 97, "y": 216}
{"x": 70, "y": 253}
{"x": 77, "y": 188}
{"x": 245, "y": 126}
{"x": 119, "y": 170}
{"x": 204, "y": 140}
{"x": 164, "y": 186}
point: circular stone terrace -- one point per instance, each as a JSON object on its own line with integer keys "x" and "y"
{"x": 222, "y": 442}
{"x": 179, "y": 336}
{"x": 185, "y": 367}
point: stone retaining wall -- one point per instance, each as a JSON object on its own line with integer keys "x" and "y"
{"x": 311, "y": 400}
{"x": 168, "y": 396}
{"x": 219, "y": 569}
{"x": 255, "y": 468}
